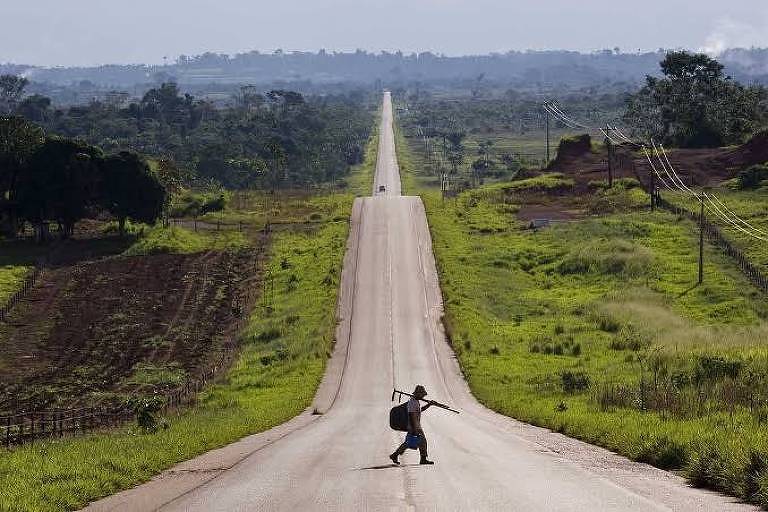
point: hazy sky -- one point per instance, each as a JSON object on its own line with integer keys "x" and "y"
{"x": 75, "y": 32}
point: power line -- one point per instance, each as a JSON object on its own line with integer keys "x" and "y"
{"x": 660, "y": 153}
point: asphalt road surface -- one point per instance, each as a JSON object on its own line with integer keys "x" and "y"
{"x": 390, "y": 335}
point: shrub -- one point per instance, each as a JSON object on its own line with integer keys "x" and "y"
{"x": 270, "y": 334}
{"x": 716, "y": 368}
{"x": 574, "y": 382}
{"x": 190, "y": 203}
{"x": 629, "y": 338}
{"x": 664, "y": 453}
{"x": 753, "y": 177}
{"x": 607, "y": 322}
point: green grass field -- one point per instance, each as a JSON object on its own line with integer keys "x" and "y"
{"x": 595, "y": 328}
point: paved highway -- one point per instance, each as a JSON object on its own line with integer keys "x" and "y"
{"x": 390, "y": 335}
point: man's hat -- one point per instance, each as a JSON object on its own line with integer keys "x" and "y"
{"x": 420, "y": 390}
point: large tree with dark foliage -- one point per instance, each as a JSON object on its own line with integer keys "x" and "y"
{"x": 696, "y": 105}
{"x": 19, "y": 140}
{"x": 129, "y": 189}
{"x": 60, "y": 183}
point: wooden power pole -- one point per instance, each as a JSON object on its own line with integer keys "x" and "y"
{"x": 546, "y": 117}
{"x": 701, "y": 241}
{"x": 610, "y": 157}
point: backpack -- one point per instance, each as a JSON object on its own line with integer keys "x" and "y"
{"x": 398, "y": 417}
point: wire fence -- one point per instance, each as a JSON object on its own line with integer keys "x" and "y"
{"x": 28, "y": 283}
{"x": 29, "y": 427}
{"x": 713, "y": 233}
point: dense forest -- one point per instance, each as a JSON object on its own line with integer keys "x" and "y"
{"x": 277, "y": 135}
{"x": 63, "y": 164}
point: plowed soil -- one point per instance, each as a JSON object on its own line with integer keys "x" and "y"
{"x": 85, "y": 329}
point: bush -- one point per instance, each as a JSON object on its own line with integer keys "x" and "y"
{"x": 574, "y": 382}
{"x": 663, "y": 453}
{"x": 270, "y": 334}
{"x": 191, "y": 204}
{"x": 753, "y": 177}
{"x": 716, "y": 368}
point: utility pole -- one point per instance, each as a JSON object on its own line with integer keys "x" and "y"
{"x": 546, "y": 112}
{"x": 701, "y": 241}
{"x": 610, "y": 158}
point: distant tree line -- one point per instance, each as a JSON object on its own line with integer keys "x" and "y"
{"x": 49, "y": 179}
{"x": 276, "y": 138}
{"x": 515, "y": 68}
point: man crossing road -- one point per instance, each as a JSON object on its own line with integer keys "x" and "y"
{"x": 415, "y": 437}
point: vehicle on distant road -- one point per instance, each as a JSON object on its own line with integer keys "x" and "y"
{"x": 382, "y": 188}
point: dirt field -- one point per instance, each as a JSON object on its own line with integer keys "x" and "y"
{"x": 90, "y": 332}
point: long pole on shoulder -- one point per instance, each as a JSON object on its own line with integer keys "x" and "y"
{"x": 400, "y": 394}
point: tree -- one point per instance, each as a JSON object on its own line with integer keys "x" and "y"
{"x": 129, "y": 189}
{"x": 695, "y": 104}
{"x": 19, "y": 140}
{"x": 60, "y": 183}
{"x": 35, "y": 108}
{"x": 455, "y": 149}
{"x": 171, "y": 177}
{"x": 11, "y": 89}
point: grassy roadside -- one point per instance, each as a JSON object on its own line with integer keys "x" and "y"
{"x": 284, "y": 351}
{"x": 593, "y": 328}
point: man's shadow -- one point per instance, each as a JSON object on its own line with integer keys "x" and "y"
{"x": 388, "y": 466}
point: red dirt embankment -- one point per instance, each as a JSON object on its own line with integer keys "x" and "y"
{"x": 78, "y": 336}
{"x": 701, "y": 167}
